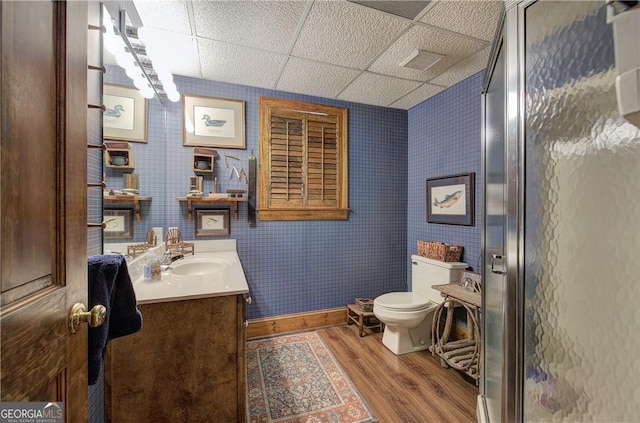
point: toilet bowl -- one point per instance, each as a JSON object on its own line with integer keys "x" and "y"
{"x": 408, "y": 315}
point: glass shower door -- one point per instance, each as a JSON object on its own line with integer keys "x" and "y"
{"x": 581, "y": 223}
{"x": 494, "y": 238}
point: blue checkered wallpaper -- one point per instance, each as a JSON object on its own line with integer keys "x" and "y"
{"x": 302, "y": 266}
{"x": 290, "y": 266}
{"x": 445, "y": 139}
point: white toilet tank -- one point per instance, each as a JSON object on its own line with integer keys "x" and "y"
{"x": 426, "y": 272}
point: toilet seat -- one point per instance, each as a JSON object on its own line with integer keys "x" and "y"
{"x": 403, "y": 301}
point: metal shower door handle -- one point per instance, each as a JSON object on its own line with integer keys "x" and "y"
{"x": 497, "y": 257}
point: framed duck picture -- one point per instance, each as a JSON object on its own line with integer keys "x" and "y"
{"x": 213, "y": 122}
{"x": 124, "y": 115}
{"x": 450, "y": 199}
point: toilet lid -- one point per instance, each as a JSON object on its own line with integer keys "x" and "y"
{"x": 406, "y": 301}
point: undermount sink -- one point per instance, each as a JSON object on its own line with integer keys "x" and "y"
{"x": 197, "y": 267}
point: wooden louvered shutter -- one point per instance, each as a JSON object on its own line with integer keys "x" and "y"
{"x": 286, "y": 159}
{"x": 303, "y": 161}
{"x": 322, "y": 161}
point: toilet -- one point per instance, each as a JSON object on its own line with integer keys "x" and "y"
{"x": 408, "y": 315}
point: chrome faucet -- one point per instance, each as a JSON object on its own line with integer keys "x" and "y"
{"x": 169, "y": 258}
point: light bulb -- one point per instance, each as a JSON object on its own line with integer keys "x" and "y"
{"x": 140, "y": 83}
{"x": 173, "y": 96}
{"x": 164, "y": 75}
{"x": 113, "y": 43}
{"x": 133, "y": 72}
{"x": 147, "y": 92}
{"x": 169, "y": 86}
{"x": 124, "y": 60}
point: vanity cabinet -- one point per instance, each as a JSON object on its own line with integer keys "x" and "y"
{"x": 186, "y": 364}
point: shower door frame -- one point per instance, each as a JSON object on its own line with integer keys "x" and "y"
{"x": 512, "y": 41}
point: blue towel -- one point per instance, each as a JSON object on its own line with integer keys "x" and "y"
{"x": 110, "y": 285}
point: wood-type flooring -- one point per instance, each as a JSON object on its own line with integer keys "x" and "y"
{"x": 411, "y": 388}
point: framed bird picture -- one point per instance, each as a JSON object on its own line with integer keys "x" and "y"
{"x": 213, "y": 122}
{"x": 124, "y": 115}
{"x": 450, "y": 199}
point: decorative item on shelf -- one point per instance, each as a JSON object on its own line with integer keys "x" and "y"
{"x": 236, "y": 193}
{"x": 131, "y": 184}
{"x": 218, "y": 195}
{"x": 366, "y": 304}
{"x": 196, "y": 184}
{"x": 204, "y": 159}
{"x": 439, "y": 251}
{"x": 118, "y": 154}
{"x": 450, "y": 199}
{"x": 471, "y": 281}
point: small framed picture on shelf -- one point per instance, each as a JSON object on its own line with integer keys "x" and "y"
{"x": 212, "y": 222}
{"x": 471, "y": 281}
{"x": 119, "y": 223}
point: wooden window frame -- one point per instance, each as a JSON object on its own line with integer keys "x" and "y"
{"x": 299, "y": 208}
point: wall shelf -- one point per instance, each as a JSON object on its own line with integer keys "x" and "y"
{"x": 119, "y": 152}
{"x": 133, "y": 200}
{"x": 208, "y": 201}
{"x": 204, "y": 159}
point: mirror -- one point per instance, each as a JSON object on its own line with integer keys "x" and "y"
{"x": 134, "y": 166}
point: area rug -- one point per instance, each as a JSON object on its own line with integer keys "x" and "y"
{"x": 296, "y": 378}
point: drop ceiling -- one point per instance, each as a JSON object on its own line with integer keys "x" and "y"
{"x": 339, "y": 49}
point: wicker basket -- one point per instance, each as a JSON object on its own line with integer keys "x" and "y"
{"x": 366, "y": 304}
{"x": 439, "y": 251}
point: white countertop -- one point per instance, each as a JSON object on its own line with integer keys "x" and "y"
{"x": 226, "y": 278}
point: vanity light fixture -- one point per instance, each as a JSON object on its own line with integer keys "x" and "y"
{"x": 148, "y": 73}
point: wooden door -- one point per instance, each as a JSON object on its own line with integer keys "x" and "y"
{"x": 43, "y": 190}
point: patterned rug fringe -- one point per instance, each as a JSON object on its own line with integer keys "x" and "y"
{"x": 295, "y": 378}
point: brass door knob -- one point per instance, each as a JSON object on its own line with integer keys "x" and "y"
{"x": 79, "y": 315}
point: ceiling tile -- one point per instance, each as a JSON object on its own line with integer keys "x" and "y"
{"x": 453, "y": 46}
{"x": 314, "y": 78}
{"x": 473, "y": 18}
{"x": 268, "y": 25}
{"x": 417, "y": 96}
{"x": 346, "y": 34}
{"x": 239, "y": 65}
{"x": 380, "y": 90}
{"x": 464, "y": 69}
{"x": 407, "y": 9}
{"x": 169, "y": 15}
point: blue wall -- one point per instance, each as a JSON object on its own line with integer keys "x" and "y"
{"x": 303, "y": 266}
{"x": 444, "y": 139}
{"x": 296, "y": 266}
{"x": 312, "y": 265}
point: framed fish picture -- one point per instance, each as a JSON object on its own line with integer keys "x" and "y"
{"x": 213, "y": 122}
{"x": 450, "y": 199}
{"x": 125, "y": 114}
